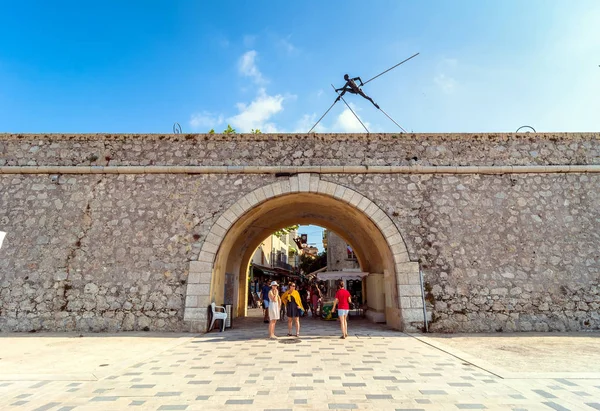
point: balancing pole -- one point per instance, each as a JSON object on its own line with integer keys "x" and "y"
{"x": 386, "y": 114}
{"x": 371, "y": 79}
{"x": 330, "y": 107}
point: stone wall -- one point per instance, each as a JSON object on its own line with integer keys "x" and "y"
{"x": 300, "y": 150}
{"x": 337, "y": 254}
{"x": 108, "y": 252}
{"x": 499, "y": 252}
{"x": 104, "y": 252}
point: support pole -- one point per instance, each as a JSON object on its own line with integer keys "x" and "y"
{"x": 330, "y": 107}
{"x": 423, "y": 298}
{"x": 386, "y": 114}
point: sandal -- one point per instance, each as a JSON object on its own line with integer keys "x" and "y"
{"x": 289, "y": 335}
{"x": 297, "y": 335}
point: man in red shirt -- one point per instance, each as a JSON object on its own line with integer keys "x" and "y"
{"x": 342, "y": 301}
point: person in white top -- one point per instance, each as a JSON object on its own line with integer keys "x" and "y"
{"x": 274, "y": 306}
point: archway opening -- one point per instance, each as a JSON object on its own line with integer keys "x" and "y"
{"x": 221, "y": 270}
{"x": 230, "y": 274}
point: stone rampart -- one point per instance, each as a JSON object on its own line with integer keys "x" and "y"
{"x": 109, "y": 252}
{"x": 301, "y": 150}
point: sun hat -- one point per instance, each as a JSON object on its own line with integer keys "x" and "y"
{"x": 274, "y": 283}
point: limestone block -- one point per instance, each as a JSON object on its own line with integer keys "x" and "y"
{"x": 286, "y": 186}
{"x": 339, "y": 192}
{"x": 277, "y": 190}
{"x": 206, "y": 256}
{"x": 414, "y": 278}
{"x": 197, "y": 326}
{"x": 410, "y": 315}
{"x": 326, "y": 187}
{"x": 191, "y": 301}
{"x": 209, "y": 247}
{"x": 237, "y": 210}
{"x": 200, "y": 266}
{"x": 230, "y": 216}
{"x": 371, "y": 210}
{"x": 408, "y": 267}
{"x": 416, "y": 302}
{"x": 380, "y": 218}
{"x": 389, "y": 229}
{"x": 198, "y": 289}
{"x": 409, "y": 290}
{"x": 402, "y": 278}
{"x": 395, "y": 239}
{"x": 244, "y": 205}
{"x": 313, "y": 186}
{"x": 347, "y": 196}
{"x": 303, "y": 182}
{"x": 218, "y": 230}
{"x": 223, "y": 222}
{"x": 294, "y": 184}
{"x": 199, "y": 277}
{"x": 356, "y": 199}
{"x": 268, "y": 189}
{"x": 195, "y": 314}
{"x": 252, "y": 200}
{"x": 260, "y": 195}
{"x": 363, "y": 204}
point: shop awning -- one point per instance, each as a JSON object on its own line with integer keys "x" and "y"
{"x": 344, "y": 275}
{"x": 268, "y": 271}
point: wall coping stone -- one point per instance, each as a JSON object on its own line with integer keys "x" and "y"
{"x": 591, "y": 168}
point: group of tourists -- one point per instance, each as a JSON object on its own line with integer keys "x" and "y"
{"x": 277, "y": 305}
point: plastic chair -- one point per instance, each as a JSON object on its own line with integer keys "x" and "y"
{"x": 217, "y": 315}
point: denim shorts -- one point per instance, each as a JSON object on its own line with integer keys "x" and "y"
{"x": 265, "y": 303}
{"x": 342, "y": 312}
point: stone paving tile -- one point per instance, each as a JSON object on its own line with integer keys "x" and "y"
{"x": 374, "y": 369}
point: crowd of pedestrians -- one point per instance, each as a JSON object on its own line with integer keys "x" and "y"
{"x": 294, "y": 302}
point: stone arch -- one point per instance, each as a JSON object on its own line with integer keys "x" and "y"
{"x": 206, "y": 275}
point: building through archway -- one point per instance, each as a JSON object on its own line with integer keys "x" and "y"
{"x": 220, "y": 274}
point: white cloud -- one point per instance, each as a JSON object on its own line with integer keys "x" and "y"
{"x": 205, "y": 119}
{"x": 257, "y": 114}
{"x": 447, "y": 84}
{"x": 247, "y": 67}
{"x": 306, "y": 122}
{"x": 449, "y": 62}
{"x": 286, "y": 45}
{"x": 346, "y": 122}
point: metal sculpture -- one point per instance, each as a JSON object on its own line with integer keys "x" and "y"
{"x": 352, "y": 88}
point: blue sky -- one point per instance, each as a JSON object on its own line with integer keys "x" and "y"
{"x": 139, "y": 66}
{"x": 315, "y": 235}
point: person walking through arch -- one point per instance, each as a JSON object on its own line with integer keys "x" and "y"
{"x": 342, "y": 301}
{"x": 295, "y": 309}
{"x": 352, "y": 88}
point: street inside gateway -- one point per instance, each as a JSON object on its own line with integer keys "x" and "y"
{"x": 240, "y": 368}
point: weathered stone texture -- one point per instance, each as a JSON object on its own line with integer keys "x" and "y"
{"x": 499, "y": 252}
{"x": 111, "y": 252}
{"x": 104, "y": 252}
{"x": 301, "y": 150}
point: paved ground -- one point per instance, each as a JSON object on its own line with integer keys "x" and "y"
{"x": 374, "y": 369}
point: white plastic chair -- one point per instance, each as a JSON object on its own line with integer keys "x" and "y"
{"x": 217, "y": 315}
